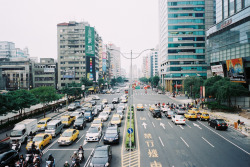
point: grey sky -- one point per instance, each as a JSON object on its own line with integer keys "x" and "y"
{"x": 129, "y": 24}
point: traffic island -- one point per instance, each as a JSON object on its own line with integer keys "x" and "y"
{"x": 130, "y": 133}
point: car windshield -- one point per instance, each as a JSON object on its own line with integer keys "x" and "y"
{"x": 139, "y": 105}
{"x": 37, "y": 138}
{"x": 205, "y": 114}
{"x": 41, "y": 122}
{"x": 87, "y": 114}
{"x": 220, "y": 121}
{"x": 103, "y": 114}
{"x": 157, "y": 111}
{"x": 100, "y": 154}
{"x": 74, "y": 114}
{"x": 50, "y": 127}
{"x": 64, "y": 119}
{"x": 115, "y": 118}
{"x": 16, "y": 133}
{"x": 93, "y": 130}
{"x": 79, "y": 121}
{"x": 71, "y": 105}
{"x": 120, "y": 108}
{"x": 67, "y": 134}
{"x": 111, "y": 131}
{"x": 97, "y": 121}
{"x": 181, "y": 117}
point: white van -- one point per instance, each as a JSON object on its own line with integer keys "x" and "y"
{"x": 54, "y": 127}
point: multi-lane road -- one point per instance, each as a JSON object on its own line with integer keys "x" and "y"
{"x": 160, "y": 143}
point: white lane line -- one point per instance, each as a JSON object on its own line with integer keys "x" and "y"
{"x": 46, "y": 150}
{"x": 101, "y": 138}
{"x": 226, "y": 139}
{"x": 161, "y": 142}
{"x": 170, "y": 125}
{"x": 180, "y": 126}
{"x": 88, "y": 160}
{"x": 184, "y": 141}
{"x": 188, "y": 126}
{"x": 79, "y": 139}
{"x": 207, "y": 142}
{"x": 153, "y": 124}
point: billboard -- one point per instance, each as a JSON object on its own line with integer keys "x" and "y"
{"x": 90, "y": 68}
{"x": 235, "y": 70}
{"x": 70, "y": 73}
{"x": 89, "y": 41}
{"x": 217, "y": 70}
{"x": 104, "y": 63}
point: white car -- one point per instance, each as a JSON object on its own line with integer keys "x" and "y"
{"x": 96, "y": 98}
{"x": 118, "y": 91}
{"x": 120, "y": 113}
{"x": 104, "y": 116}
{"x": 178, "y": 119}
{"x": 124, "y": 100}
{"x": 121, "y": 105}
{"x": 93, "y": 134}
{"x": 72, "y": 107}
{"x": 107, "y": 110}
{"x": 77, "y": 114}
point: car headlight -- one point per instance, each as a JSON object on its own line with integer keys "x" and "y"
{"x": 59, "y": 141}
{"x": 91, "y": 164}
{"x": 116, "y": 137}
{"x": 107, "y": 164}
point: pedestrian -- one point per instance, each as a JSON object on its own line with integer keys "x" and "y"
{"x": 238, "y": 122}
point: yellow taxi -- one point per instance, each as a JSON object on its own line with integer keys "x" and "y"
{"x": 140, "y": 107}
{"x": 89, "y": 105}
{"x": 97, "y": 122}
{"x": 41, "y": 140}
{"x": 196, "y": 110}
{"x": 68, "y": 137}
{"x": 190, "y": 115}
{"x": 42, "y": 124}
{"x": 67, "y": 120}
{"x": 116, "y": 120}
{"x": 152, "y": 107}
{"x": 204, "y": 116}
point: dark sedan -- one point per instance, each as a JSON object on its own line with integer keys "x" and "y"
{"x": 8, "y": 157}
{"x": 111, "y": 135}
{"x": 102, "y": 156}
{"x": 218, "y": 124}
{"x": 156, "y": 113}
{"x": 80, "y": 123}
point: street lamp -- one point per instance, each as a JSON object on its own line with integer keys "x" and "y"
{"x": 131, "y": 82}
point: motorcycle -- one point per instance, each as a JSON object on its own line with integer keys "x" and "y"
{"x": 16, "y": 146}
{"x": 75, "y": 161}
{"x": 49, "y": 163}
{"x": 81, "y": 155}
{"x": 19, "y": 163}
{"x": 28, "y": 158}
{"x": 37, "y": 156}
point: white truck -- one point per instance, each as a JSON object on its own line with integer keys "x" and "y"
{"x": 22, "y": 129}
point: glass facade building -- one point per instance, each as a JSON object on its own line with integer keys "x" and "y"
{"x": 182, "y": 39}
{"x": 229, "y": 38}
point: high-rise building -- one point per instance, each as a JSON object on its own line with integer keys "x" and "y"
{"x": 115, "y": 61}
{"x": 228, "y": 41}
{"x": 78, "y": 56}
{"x": 154, "y": 63}
{"x": 182, "y": 39}
{"x": 146, "y": 66}
{"x": 8, "y": 50}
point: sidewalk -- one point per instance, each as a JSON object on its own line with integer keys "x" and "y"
{"x": 230, "y": 118}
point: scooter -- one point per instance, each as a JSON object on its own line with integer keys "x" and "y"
{"x": 16, "y": 146}
{"x": 37, "y": 156}
{"x": 81, "y": 155}
{"x": 75, "y": 161}
{"x": 49, "y": 163}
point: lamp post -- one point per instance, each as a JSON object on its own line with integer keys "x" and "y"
{"x": 131, "y": 82}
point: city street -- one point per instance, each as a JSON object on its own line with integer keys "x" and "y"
{"x": 159, "y": 142}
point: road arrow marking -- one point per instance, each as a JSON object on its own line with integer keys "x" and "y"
{"x": 170, "y": 125}
{"x": 197, "y": 125}
{"x": 145, "y": 125}
{"x": 163, "y": 125}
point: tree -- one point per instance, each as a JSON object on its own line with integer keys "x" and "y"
{"x": 86, "y": 82}
{"x": 155, "y": 80}
{"x": 72, "y": 89}
{"x": 5, "y": 103}
{"x": 144, "y": 80}
{"x": 21, "y": 99}
{"x": 100, "y": 82}
{"x": 113, "y": 81}
{"x": 209, "y": 85}
{"x": 120, "y": 80}
{"x": 45, "y": 95}
{"x": 192, "y": 85}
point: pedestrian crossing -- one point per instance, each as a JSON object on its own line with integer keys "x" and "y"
{"x": 135, "y": 94}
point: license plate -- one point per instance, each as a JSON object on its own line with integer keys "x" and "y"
{"x": 223, "y": 125}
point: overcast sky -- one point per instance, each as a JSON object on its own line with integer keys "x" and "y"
{"x": 129, "y": 24}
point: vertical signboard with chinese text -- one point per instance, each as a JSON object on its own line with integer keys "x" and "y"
{"x": 90, "y": 41}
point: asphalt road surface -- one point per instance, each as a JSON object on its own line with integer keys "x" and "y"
{"x": 161, "y": 143}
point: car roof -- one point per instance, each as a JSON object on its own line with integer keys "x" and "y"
{"x": 45, "y": 118}
{"x": 102, "y": 147}
{"x": 41, "y": 134}
{"x": 53, "y": 122}
{"x": 112, "y": 127}
{"x": 69, "y": 130}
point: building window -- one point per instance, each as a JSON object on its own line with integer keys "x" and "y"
{"x": 231, "y": 7}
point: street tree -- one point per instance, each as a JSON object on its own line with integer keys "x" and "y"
{"x": 45, "y": 95}
{"x": 120, "y": 79}
{"x": 113, "y": 81}
{"x": 21, "y": 99}
{"x": 86, "y": 82}
{"x": 5, "y": 103}
{"x": 143, "y": 80}
{"x": 192, "y": 85}
{"x": 155, "y": 80}
{"x": 211, "y": 90}
{"x": 100, "y": 82}
{"x": 72, "y": 89}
